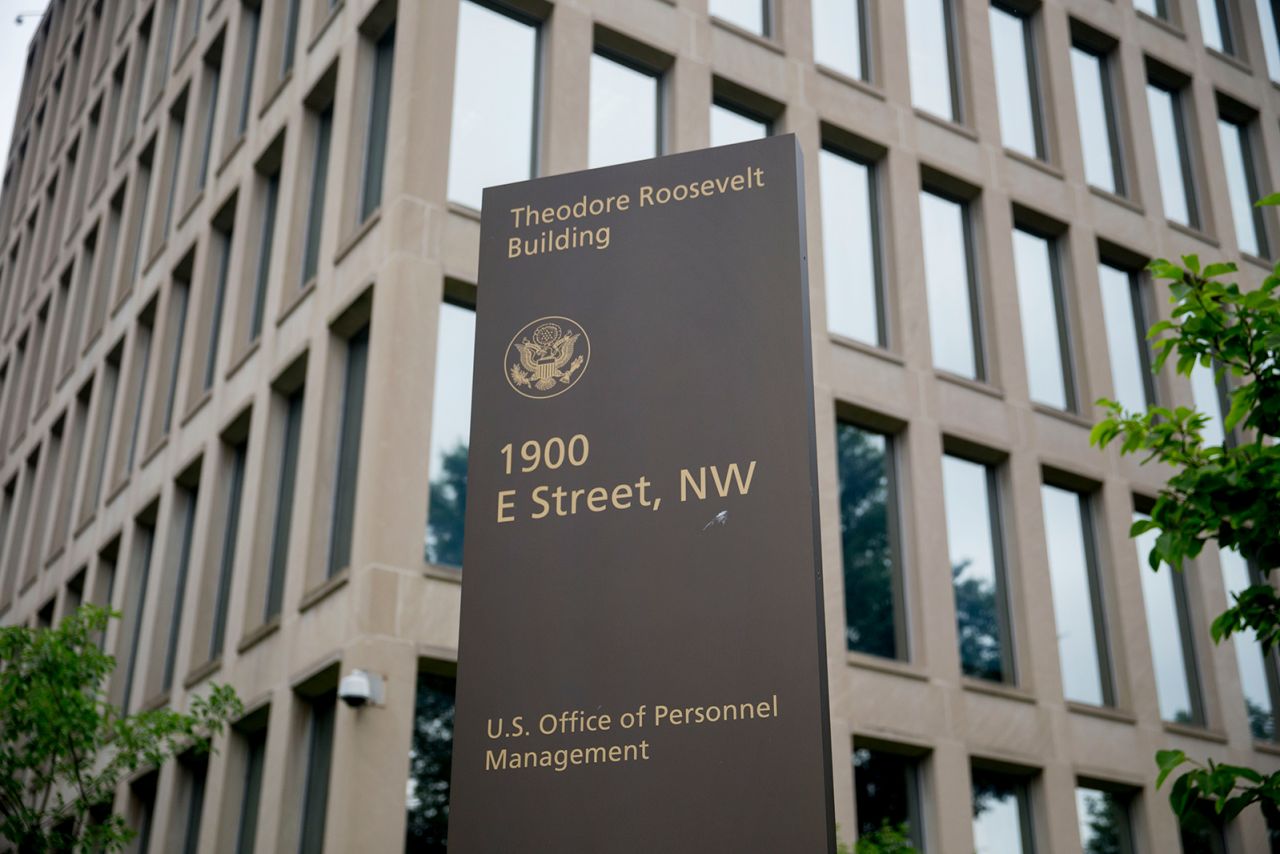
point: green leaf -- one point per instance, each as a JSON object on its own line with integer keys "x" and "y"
{"x": 1220, "y": 269}
{"x": 1167, "y": 761}
{"x": 1268, "y": 201}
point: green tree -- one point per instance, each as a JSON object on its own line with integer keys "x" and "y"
{"x": 1228, "y": 493}
{"x": 448, "y": 508}
{"x": 64, "y": 747}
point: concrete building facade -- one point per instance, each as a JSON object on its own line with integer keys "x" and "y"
{"x": 238, "y": 243}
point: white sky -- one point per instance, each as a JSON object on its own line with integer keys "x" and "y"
{"x": 14, "y": 39}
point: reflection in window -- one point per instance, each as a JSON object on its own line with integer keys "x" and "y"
{"x": 1096, "y": 115}
{"x": 1269, "y": 19}
{"x": 1001, "y": 813}
{"x": 1242, "y": 187}
{"x": 430, "y": 765}
{"x": 1077, "y": 598}
{"x": 1207, "y": 396}
{"x": 624, "y": 108}
{"x": 1104, "y": 821}
{"x": 1013, "y": 49}
{"x": 450, "y": 432}
{"x": 1258, "y": 676}
{"x": 751, "y": 15}
{"x": 1201, "y": 830}
{"x": 1044, "y": 320}
{"x": 949, "y": 282}
{"x": 1124, "y": 317}
{"x": 1215, "y": 25}
{"x": 868, "y": 533}
{"x": 973, "y": 544}
{"x": 729, "y": 125}
{"x": 840, "y": 37}
{"x": 850, "y": 249}
{"x": 887, "y": 791}
{"x": 1154, "y": 8}
{"x": 315, "y": 794}
{"x": 492, "y": 137}
{"x": 1164, "y": 593}
{"x": 255, "y": 757}
{"x": 931, "y": 60}
{"x": 1173, "y": 155}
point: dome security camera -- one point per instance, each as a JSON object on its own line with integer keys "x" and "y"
{"x": 359, "y": 688}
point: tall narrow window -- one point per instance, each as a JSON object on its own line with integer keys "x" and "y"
{"x": 875, "y": 614}
{"x": 135, "y": 603}
{"x": 173, "y": 160}
{"x": 316, "y": 195}
{"x": 1001, "y": 813}
{"x": 184, "y": 527}
{"x": 213, "y": 77}
{"x": 1243, "y": 186}
{"x": 1164, "y": 594}
{"x": 101, "y": 431}
{"x": 1103, "y": 815}
{"x": 252, "y": 21}
{"x": 840, "y": 37}
{"x": 492, "y": 137}
{"x": 315, "y": 796}
{"x": 266, "y": 245}
{"x": 1259, "y": 678}
{"x": 751, "y": 15}
{"x": 254, "y": 758}
{"x": 730, "y": 124}
{"x": 375, "y": 146}
{"x": 851, "y": 253}
{"x": 142, "y": 809}
{"x": 217, "y": 300}
{"x": 136, "y": 388}
{"x": 1207, "y": 396}
{"x": 138, "y": 213}
{"x": 1215, "y": 25}
{"x": 1013, "y": 47}
{"x": 1173, "y": 154}
{"x": 1125, "y": 318}
{"x": 450, "y": 434}
{"x": 625, "y": 113}
{"x": 290, "y": 35}
{"x": 347, "y": 465}
{"x": 430, "y": 765}
{"x": 194, "y": 770}
{"x": 950, "y": 282}
{"x": 234, "y": 474}
{"x": 977, "y": 569}
{"x": 1091, "y": 73}
{"x": 1042, "y": 307}
{"x": 887, "y": 791}
{"x": 931, "y": 57}
{"x": 1077, "y": 596}
{"x": 1269, "y": 23}
{"x": 175, "y": 335}
{"x": 283, "y": 521}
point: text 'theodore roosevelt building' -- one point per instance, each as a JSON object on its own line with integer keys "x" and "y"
{"x": 238, "y": 247}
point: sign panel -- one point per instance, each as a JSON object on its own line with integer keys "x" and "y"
{"x": 642, "y": 665}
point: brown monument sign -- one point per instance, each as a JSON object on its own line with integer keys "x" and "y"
{"x": 642, "y": 664}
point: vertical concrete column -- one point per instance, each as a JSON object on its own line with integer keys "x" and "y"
{"x": 565, "y": 90}
{"x": 688, "y": 90}
{"x": 392, "y": 494}
{"x": 366, "y": 810}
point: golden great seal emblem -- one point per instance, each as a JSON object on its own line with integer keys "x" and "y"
{"x": 547, "y": 357}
